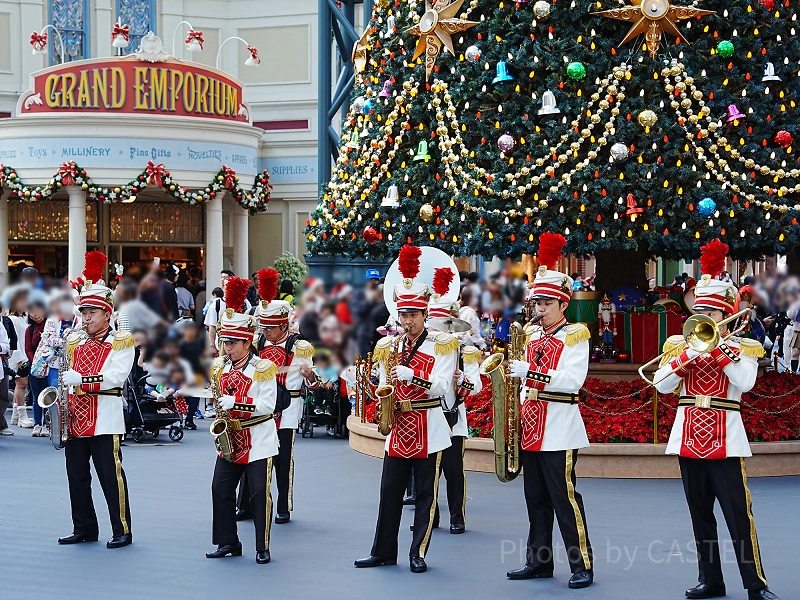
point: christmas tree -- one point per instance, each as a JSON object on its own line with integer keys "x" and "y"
{"x": 649, "y": 125}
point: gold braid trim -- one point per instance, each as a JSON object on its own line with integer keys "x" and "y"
{"x": 382, "y": 350}
{"x": 266, "y": 370}
{"x": 446, "y": 346}
{"x": 471, "y": 355}
{"x": 72, "y": 343}
{"x": 122, "y": 340}
{"x": 303, "y": 349}
{"x": 673, "y": 348}
{"x": 577, "y": 333}
{"x": 748, "y": 347}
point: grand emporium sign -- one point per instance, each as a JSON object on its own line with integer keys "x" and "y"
{"x": 147, "y": 82}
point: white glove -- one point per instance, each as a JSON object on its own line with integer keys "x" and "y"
{"x": 72, "y": 377}
{"x": 691, "y": 353}
{"x": 227, "y": 402}
{"x": 403, "y": 373}
{"x": 520, "y": 368}
{"x": 460, "y": 378}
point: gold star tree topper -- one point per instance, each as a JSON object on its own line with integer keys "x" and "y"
{"x": 653, "y": 18}
{"x": 434, "y": 30}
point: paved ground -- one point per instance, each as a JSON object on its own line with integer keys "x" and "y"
{"x": 640, "y": 531}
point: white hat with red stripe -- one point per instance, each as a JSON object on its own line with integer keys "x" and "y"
{"x": 440, "y": 304}
{"x": 93, "y": 292}
{"x": 710, "y": 292}
{"x": 235, "y": 324}
{"x": 549, "y": 283}
{"x": 271, "y": 312}
{"x": 410, "y": 295}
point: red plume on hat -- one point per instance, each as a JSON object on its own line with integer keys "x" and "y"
{"x": 442, "y": 277}
{"x": 712, "y": 258}
{"x": 408, "y": 262}
{"x": 550, "y": 247}
{"x": 94, "y": 265}
{"x": 236, "y": 293}
{"x": 267, "y": 284}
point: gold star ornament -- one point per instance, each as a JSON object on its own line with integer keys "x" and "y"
{"x": 653, "y": 18}
{"x": 435, "y": 28}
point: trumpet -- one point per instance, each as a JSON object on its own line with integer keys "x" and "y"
{"x": 702, "y": 334}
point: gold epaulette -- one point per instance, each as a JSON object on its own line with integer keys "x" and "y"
{"x": 122, "y": 340}
{"x": 383, "y": 349}
{"x": 266, "y": 370}
{"x": 749, "y": 347}
{"x": 73, "y": 341}
{"x": 577, "y": 333}
{"x": 471, "y": 355}
{"x": 303, "y": 349}
{"x": 445, "y": 344}
{"x": 673, "y": 348}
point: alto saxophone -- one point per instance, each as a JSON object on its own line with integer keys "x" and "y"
{"x": 385, "y": 393}
{"x": 222, "y": 425}
{"x": 55, "y": 401}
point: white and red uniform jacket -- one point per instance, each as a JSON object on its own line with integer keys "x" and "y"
{"x": 96, "y": 406}
{"x": 289, "y": 375}
{"x": 723, "y": 374}
{"x": 419, "y": 433}
{"x": 469, "y": 387}
{"x": 559, "y": 362}
{"x": 254, "y": 388}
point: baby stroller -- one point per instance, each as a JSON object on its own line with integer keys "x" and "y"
{"x": 146, "y": 415}
{"x": 325, "y": 406}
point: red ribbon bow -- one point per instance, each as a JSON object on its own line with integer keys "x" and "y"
{"x": 230, "y": 176}
{"x": 254, "y": 54}
{"x": 38, "y": 40}
{"x": 68, "y": 171}
{"x": 195, "y": 35}
{"x": 123, "y": 30}
{"x": 155, "y": 173}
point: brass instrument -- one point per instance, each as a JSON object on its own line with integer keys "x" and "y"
{"x": 222, "y": 425}
{"x": 506, "y": 406}
{"x": 385, "y": 393}
{"x": 702, "y": 334}
{"x": 55, "y": 400}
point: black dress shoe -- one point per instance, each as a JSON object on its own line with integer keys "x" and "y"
{"x": 457, "y": 528}
{"x": 243, "y": 515}
{"x": 581, "y": 579}
{"x": 262, "y": 558}
{"x": 762, "y": 594}
{"x": 409, "y": 501}
{"x": 120, "y": 541}
{"x": 77, "y": 538}
{"x": 418, "y": 564}
{"x": 703, "y": 590}
{"x": 282, "y": 518}
{"x": 374, "y": 561}
{"x": 529, "y": 572}
{"x": 191, "y": 426}
{"x": 222, "y": 551}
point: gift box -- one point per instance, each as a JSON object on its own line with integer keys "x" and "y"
{"x": 642, "y": 334}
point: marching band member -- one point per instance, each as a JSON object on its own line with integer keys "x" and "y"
{"x": 100, "y": 360}
{"x": 293, "y": 356}
{"x": 556, "y": 364}
{"x": 423, "y": 372}
{"x": 466, "y": 382}
{"x": 248, "y": 391}
{"x": 709, "y": 438}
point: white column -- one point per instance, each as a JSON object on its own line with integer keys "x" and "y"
{"x": 103, "y": 22}
{"x": 77, "y": 231}
{"x": 4, "y": 239}
{"x": 213, "y": 243}
{"x": 32, "y": 16}
{"x": 241, "y": 243}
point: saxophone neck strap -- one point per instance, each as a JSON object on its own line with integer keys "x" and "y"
{"x": 417, "y": 344}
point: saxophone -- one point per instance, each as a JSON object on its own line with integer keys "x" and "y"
{"x": 222, "y": 425}
{"x": 55, "y": 401}
{"x": 385, "y": 393}
{"x": 506, "y": 406}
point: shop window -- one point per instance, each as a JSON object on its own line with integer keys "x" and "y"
{"x": 140, "y": 16}
{"x": 71, "y": 18}
{"x": 46, "y": 221}
{"x": 157, "y": 222}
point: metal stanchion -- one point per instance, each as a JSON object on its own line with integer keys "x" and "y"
{"x": 655, "y": 415}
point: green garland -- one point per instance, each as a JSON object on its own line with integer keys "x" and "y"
{"x": 254, "y": 200}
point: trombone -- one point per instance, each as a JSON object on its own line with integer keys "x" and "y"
{"x": 702, "y": 334}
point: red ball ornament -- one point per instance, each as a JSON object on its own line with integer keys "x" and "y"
{"x": 783, "y": 138}
{"x": 369, "y": 234}
{"x": 623, "y": 357}
{"x": 768, "y": 4}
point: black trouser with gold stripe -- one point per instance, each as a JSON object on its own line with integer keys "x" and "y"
{"x": 393, "y": 485}
{"x": 284, "y": 475}
{"x": 549, "y": 483}
{"x": 104, "y": 451}
{"x": 726, "y": 481}
{"x": 453, "y": 468}
{"x": 223, "y": 497}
